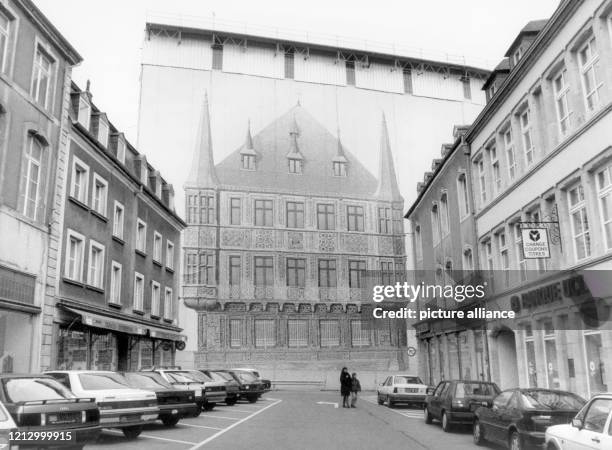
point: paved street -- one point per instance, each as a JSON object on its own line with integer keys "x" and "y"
{"x": 295, "y": 420}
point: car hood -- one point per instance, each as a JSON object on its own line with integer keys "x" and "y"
{"x": 214, "y": 383}
{"x": 558, "y": 430}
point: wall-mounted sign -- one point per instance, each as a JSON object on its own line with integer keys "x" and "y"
{"x": 535, "y": 243}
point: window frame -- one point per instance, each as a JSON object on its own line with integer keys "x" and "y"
{"x": 295, "y": 166}
{"x": 463, "y": 196}
{"x": 295, "y": 272}
{"x": 527, "y": 136}
{"x": 267, "y": 270}
{"x": 509, "y": 150}
{"x": 561, "y": 96}
{"x": 587, "y": 66}
{"x": 323, "y": 217}
{"x": 76, "y": 161}
{"x": 168, "y": 304}
{"x": 8, "y": 33}
{"x": 248, "y": 162}
{"x": 293, "y": 209}
{"x": 169, "y": 254}
{"x": 93, "y": 280}
{"x": 158, "y": 244}
{"x": 97, "y": 178}
{"x": 579, "y": 207}
{"x": 118, "y": 229}
{"x": 358, "y": 218}
{"x": 155, "y": 305}
{"x": 81, "y": 263}
{"x": 385, "y": 220}
{"x": 114, "y": 297}
{"x": 604, "y": 191}
{"x": 138, "y": 300}
{"x": 324, "y": 265}
{"x": 30, "y": 161}
{"x": 267, "y": 205}
{"x": 40, "y": 48}
{"x": 233, "y": 208}
{"x": 482, "y": 181}
{"x": 141, "y": 246}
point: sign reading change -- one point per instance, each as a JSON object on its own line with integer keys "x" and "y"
{"x": 535, "y": 243}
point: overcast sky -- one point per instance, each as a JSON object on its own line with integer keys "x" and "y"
{"x": 109, "y": 34}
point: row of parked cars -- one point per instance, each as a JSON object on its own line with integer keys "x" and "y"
{"x": 82, "y": 402}
{"x": 518, "y": 418}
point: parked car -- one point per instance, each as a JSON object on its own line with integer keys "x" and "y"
{"x": 267, "y": 384}
{"x": 39, "y": 403}
{"x": 518, "y": 418}
{"x": 174, "y": 404}
{"x": 208, "y": 392}
{"x": 454, "y": 401}
{"x": 180, "y": 381}
{"x": 232, "y": 387}
{"x": 121, "y": 406}
{"x": 6, "y": 426}
{"x": 407, "y": 389}
{"x": 590, "y": 429}
{"x": 250, "y": 388}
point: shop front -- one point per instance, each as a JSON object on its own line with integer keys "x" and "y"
{"x": 561, "y": 337}
{"x": 93, "y": 341}
{"x": 18, "y": 321}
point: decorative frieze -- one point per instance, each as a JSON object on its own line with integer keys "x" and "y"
{"x": 355, "y": 243}
{"x": 264, "y": 239}
{"x": 327, "y": 242}
{"x": 295, "y": 240}
{"x": 231, "y": 237}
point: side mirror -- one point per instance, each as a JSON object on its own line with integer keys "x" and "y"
{"x": 430, "y": 391}
{"x": 577, "y": 423}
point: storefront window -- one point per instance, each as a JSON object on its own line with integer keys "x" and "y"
{"x": 532, "y": 374}
{"x": 103, "y": 351}
{"x": 146, "y": 353}
{"x": 550, "y": 349}
{"x": 72, "y": 349}
{"x": 453, "y": 355}
{"x": 433, "y": 361}
{"x": 15, "y": 341}
{"x": 595, "y": 363}
{"x": 466, "y": 358}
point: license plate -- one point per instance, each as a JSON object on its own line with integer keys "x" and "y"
{"x": 54, "y": 419}
{"x": 130, "y": 418}
{"x": 410, "y": 390}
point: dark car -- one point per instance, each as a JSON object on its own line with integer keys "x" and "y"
{"x": 250, "y": 388}
{"x": 231, "y": 385}
{"x": 38, "y": 403}
{"x": 454, "y": 401}
{"x": 174, "y": 404}
{"x": 518, "y": 418}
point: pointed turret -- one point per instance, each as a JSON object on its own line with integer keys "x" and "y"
{"x": 248, "y": 148}
{"x": 203, "y": 174}
{"x": 340, "y": 157}
{"x": 387, "y": 181}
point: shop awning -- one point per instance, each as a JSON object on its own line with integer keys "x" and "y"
{"x": 159, "y": 333}
{"x": 108, "y": 323}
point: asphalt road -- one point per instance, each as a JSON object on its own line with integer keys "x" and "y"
{"x": 296, "y": 420}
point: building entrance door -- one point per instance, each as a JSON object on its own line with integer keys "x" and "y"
{"x": 123, "y": 352}
{"x": 506, "y": 351}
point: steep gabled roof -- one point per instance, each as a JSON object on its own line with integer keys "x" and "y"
{"x": 318, "y": 148}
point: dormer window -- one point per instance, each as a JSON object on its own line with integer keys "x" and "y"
{"x": 516, "y": 57}
{"x": 295, "y": 166}
{"x": 103, "y": 132}
{"x": 339, "y": 169}
{"x": 248, "y": 162}
{"x": 84, "y": 112}
{"x": 121, "y": 150}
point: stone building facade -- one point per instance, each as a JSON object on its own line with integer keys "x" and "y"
{"x": 280, "y": 236}
{"x": 35, "y": 68}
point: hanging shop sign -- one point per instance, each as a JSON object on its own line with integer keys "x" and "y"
{"x": 535, "y": 243}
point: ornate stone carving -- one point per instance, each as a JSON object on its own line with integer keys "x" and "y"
{"x": 272, "y": 307}
{"x": 305, "y": 308}
{"x": 295, "y": 293}
{"x": 256, "y": 307}
{"x": 385, "y": 245}
{"x": 355, "y": 243}
{"x": 190, "y": 237}
{"x": 327, "y": 242}
{"x": 289, "y": 308}
{"x": 398, "y": 244}
{"x": 235, "y": 238}
{"x": 351, "y": 309}
{"x": 336, "y": 308}
{"x": 320, "y": 308}
{"x": 235, "y": 307}
{"x": 295, "y": 240}
{"x": 207, "y": 237}
{"x": 264, "y": 238}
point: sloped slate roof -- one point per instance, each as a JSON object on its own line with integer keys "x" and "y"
{"x": 318, "y": 147}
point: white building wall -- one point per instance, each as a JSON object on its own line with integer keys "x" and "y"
{"x": 319, "y": 69}
{"x": 188, "y": 53}
{"x": 379, "y": 77}
{"x": 433, "y": 84}
{"x": 253, "y": 61}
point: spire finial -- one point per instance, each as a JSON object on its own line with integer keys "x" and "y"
{"x": 203, "y": 174}
{"x": 387, "y": 180}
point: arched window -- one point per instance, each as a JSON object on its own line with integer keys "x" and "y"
{"x": 418, "y": 243}
{"x": 33, "y": 169}
{"x": 444, "y": 220}
{"x": 468, "y": 259}
{"x": 462, "y": 195}
{"x": 435, "y": 224}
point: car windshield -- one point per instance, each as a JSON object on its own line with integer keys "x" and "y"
{"x": 181, "y": 377}
{"x": 246, "y": 377}
{"x": 151, "y": 381}
{"x": 551, "y": 400}
{"x": 197, "y": 375}
{"x": 407, "y": 380}
{"x": 33, "y": 389}
{"x": 216, "y": 377}
{"x": 467, "y": 389}
{"x": 226, "y": 376}
{"x": 102, "y": 381}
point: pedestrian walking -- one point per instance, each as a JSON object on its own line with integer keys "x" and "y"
{"x": 355, "y": 388}
{"x": 346, "y": 384}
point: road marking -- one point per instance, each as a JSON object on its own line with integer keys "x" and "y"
{"x": 240, "y": 410}
{"x": 221, "y": 417}
{"x": 149, "y": 436}
{"x": 409, "y": 414}
{"x": 200, "y": 426}
{"x": 219, "y": 433}
{"x": 328, "y": 403}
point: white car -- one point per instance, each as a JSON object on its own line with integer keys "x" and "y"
{"x": 402, "y": 389}
{"x": 120, "y": 406}
{"x": 590, "y": 429}
{"x": 207, "y": 391}
{"x": 6, "y": 426}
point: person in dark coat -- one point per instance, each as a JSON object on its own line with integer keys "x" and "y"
{"x": 346, "y": 385}
{"x": 355, "y": 388}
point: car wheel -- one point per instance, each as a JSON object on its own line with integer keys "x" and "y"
{"x": 197, "y": 413}
{"x": 477, "y": 433}
{"x": 389, "y": 402}
{"x": 515, "y": 442}
{"x": 170, "y": 421}
{"x": 209, "y": 406}
{"x": 252, "y": 398}
{"x": 132, "y": 432}
{"x": 446, "y": 425}
{"x": 428, "y": 417}
{"x": 380, "y": 400}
